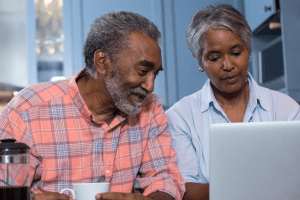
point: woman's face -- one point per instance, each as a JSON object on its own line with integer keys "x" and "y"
{"x": 225, "y": 60}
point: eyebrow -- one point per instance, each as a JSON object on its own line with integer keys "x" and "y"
{"x": 237, "y": 45}
{"x": 147, "y": 64}
{"x": 213, "y": 51}
{"x": 233, "y": 47}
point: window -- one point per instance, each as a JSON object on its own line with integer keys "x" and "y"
{"x": 49, "y": 39}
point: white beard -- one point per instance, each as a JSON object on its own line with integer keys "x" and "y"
{"x": 120, "y": 93}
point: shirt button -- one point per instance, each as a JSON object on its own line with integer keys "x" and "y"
{"x": 107, "y": 171}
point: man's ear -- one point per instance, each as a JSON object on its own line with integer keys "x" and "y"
{"x": 100, "y": 61}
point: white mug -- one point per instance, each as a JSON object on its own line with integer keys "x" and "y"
{"x": 87, "y": 191}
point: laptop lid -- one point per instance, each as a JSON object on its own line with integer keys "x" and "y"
{"x": 258, "y": 160}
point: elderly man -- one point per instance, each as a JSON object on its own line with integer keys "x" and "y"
{"x": 102, "y": 125}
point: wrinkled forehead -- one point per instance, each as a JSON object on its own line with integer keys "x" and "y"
{"x": 142, "y": 49}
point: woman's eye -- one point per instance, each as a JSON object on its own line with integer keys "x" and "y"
{"x": 236, "y": 53}
{"x": 213, "y": 59}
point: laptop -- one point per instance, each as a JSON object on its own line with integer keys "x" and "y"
{"x": 255, "y": 161}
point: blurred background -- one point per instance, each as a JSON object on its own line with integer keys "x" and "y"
{"x": 42, "y": 40}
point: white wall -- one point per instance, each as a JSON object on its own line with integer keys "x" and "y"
{"x": 13, "y": 43}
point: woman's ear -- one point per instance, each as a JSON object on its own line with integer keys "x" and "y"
{"x": 100, "y": 61}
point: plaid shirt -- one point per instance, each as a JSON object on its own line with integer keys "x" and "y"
{"x": 69, "y": 145}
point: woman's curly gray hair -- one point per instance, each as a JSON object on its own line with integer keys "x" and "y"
{"x": 110, "y": 33}
{"x": 223, "y": 16}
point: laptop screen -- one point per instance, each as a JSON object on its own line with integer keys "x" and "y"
{"x": 258, "y": 160}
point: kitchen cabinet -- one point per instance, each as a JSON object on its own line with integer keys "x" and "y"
{"x": 258, "y": 11}
{"x": 290, "y": 20}
{"x": 283, "y": 45}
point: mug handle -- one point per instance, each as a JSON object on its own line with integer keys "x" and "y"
{"x": 70, "y": 190}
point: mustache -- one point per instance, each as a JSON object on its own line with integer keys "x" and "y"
{"x": 139, "y": 90}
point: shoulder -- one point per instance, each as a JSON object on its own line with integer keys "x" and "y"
{"x": 270, "y": 97}
{"x": 284, "y": 107}
{"x": 276, "y": 97}
{"x": 186, "y": 105}
{"x": 183, "y": 113}
{"x": 36, "y": 94}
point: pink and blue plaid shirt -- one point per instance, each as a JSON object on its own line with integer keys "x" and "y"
{"x": 69, "y": 145}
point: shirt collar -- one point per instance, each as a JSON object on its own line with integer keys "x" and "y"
{"x": 82, "y": 107}
{"x": 207, "y": 96}
{"x": 256, "y": 96}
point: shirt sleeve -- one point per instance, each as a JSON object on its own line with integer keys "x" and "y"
{"x": 12, "y": 126}
{"x": 179, "y": 126}
{"x": 159, "y": 170}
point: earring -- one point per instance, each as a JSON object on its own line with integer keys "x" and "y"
{"x": 249, "y": 58}
{"x": 201, "y": 69}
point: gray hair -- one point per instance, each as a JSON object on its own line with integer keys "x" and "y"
{"x": 223, "y": 16}
{"x": 110, "y": 33}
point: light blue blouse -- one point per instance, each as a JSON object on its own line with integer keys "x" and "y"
{"x": 191, "y": 117}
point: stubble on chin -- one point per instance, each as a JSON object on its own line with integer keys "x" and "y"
{"x": 120, "y": 94}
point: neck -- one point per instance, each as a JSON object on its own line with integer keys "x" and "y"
{"x": 235, "y": 99}
{"x": 97, "y": 98}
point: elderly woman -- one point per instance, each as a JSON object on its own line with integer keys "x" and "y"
{"x": 220, "y": 40}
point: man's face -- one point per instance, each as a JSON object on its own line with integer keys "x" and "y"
{"x": 132, "y": 76}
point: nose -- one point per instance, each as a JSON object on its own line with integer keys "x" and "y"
{"x": 148, "y": 83}
{"x": 228, "y": 65}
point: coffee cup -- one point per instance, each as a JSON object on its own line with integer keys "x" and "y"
{"x": 87, "y": 191}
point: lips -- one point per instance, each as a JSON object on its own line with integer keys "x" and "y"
{"x": 229, "y": 77}
{"x": 141, "y": 96}
{"x": 139, "y": 93}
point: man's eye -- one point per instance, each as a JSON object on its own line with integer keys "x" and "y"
{"x": 143, "y": 72}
